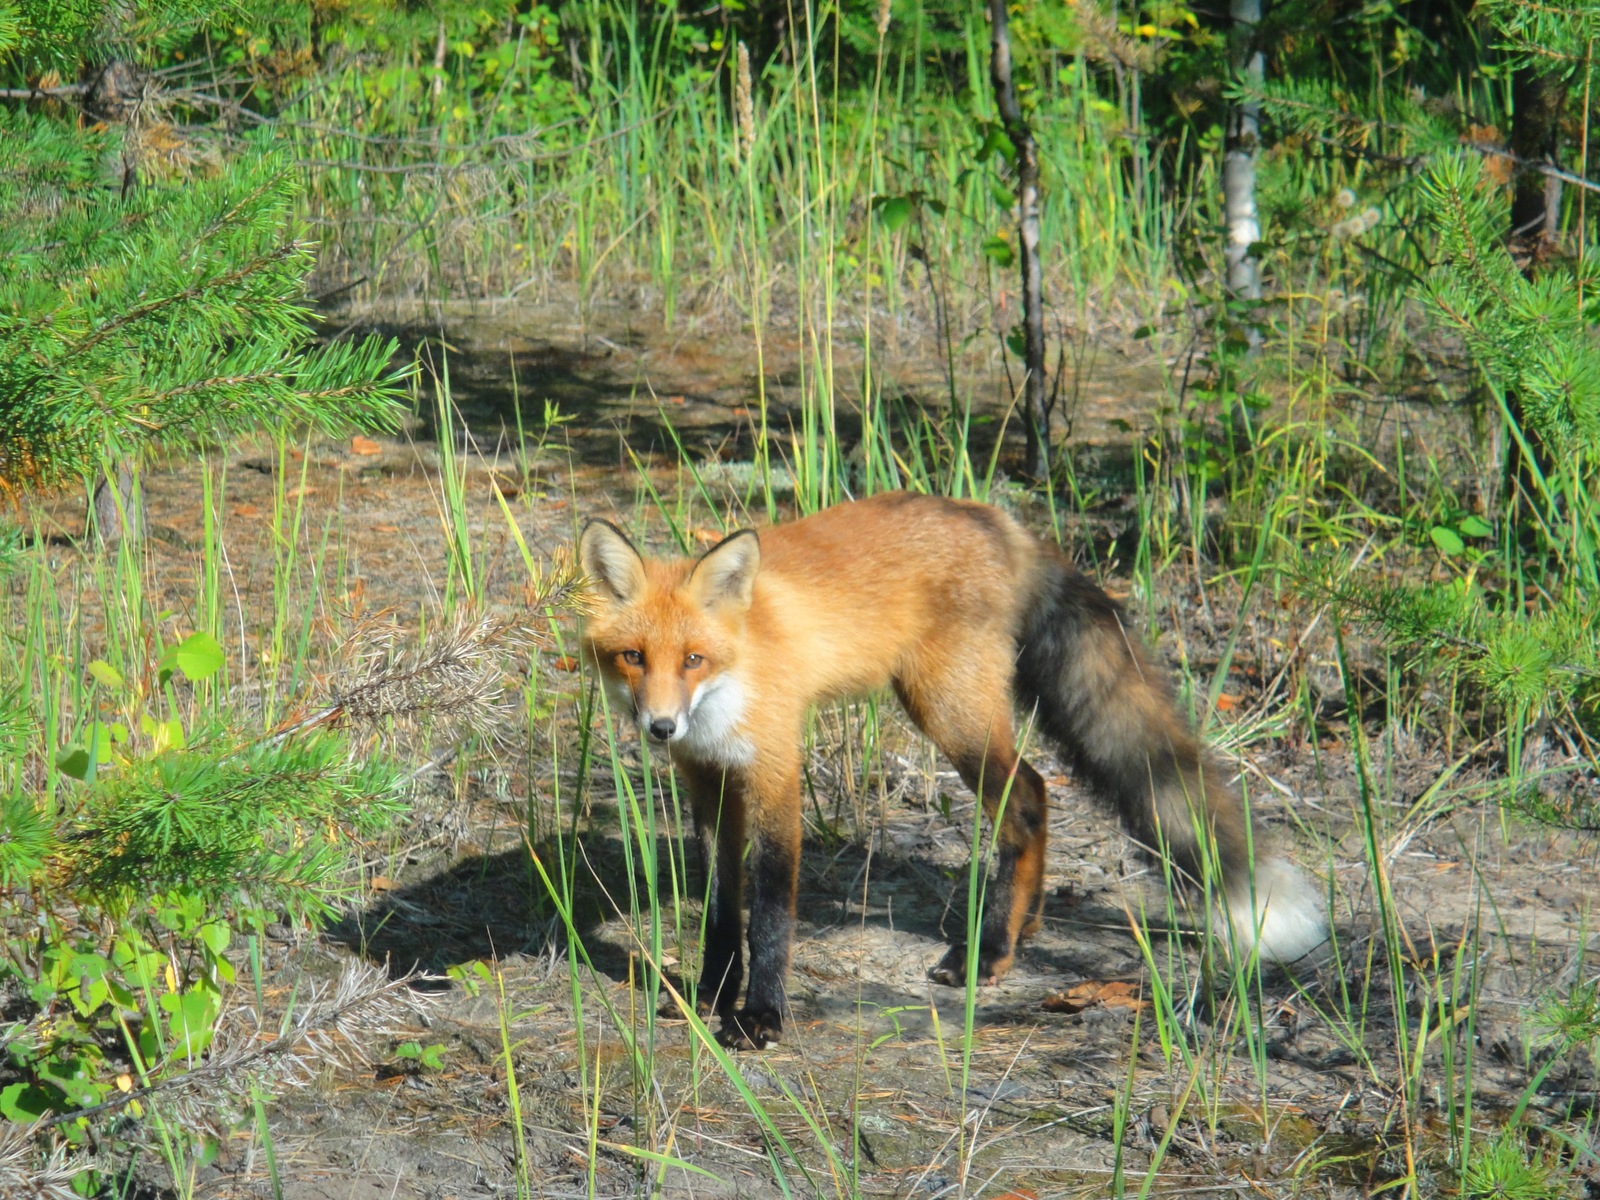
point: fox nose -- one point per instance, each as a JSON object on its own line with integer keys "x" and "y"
{"x": 662, "y": 728}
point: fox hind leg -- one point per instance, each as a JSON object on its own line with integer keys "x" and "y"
{"x": 968, "y": 716}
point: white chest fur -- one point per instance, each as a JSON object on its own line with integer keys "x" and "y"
{"x": 716, "y": 714}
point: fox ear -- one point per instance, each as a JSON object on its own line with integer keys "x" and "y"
{"x": 609, "y": 559}
{"x": 727, "y": 574}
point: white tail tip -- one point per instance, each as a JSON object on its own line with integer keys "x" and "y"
{"x": 1286, "y": 921}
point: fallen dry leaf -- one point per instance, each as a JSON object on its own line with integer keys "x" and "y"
{"x": 1111, "y": 994}
{"x": 381, "y": 883}
{"x": 1227, "y": 703}
{"x": 246, "y": 510}
{"x": 386, "y": 529}
{"x": 705, "y": 536}
{"x": 564, "y": 662}
{"x": 364, "y": 445}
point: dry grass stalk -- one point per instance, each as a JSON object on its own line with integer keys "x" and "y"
{"x": 455, "y": 678}
{"x": 248, "y": 1051}
{"x": 744, "y": 106}
{"x": 1104, "y": 42}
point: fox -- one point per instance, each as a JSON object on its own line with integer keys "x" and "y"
{"x": 971, "y": 619}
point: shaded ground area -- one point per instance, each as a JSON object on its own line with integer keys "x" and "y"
{"x": 871, "y": 1092}
{"x": 695, "y": 391}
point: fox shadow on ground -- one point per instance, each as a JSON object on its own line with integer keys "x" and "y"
{"x": 870, "y": 922}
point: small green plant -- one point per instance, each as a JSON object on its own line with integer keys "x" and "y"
{"x": 430, "y": 1057}
{"x": 124, "y": 897}
{"x": 1508, "y": 1168}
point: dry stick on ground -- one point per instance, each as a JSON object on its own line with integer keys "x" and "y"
{"x": 1036, "y": 409}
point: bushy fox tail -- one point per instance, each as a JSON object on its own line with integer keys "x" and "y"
{"x": 1111, "y": 713}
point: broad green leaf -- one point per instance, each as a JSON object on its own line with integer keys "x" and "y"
{"x": 895, "y": 212}
{"x": 198, "y": 656}
{"x": 1474, "y": 527}
{"x": 106, "y": 674}
{"x": 73, "y": 760}
{"x": 25, "y": 1102}
{"x": 999, "y": 251}
{"x": 1448, "y": 540}
{"x": 216, "y": 935}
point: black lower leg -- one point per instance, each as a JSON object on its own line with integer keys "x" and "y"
{"x": 772, "y": 888}
{"x": 995, "y": 944}
{"x": 722, "y": 961}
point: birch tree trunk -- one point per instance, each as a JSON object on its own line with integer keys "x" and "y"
{"x": 1239, "y": 156}
{"x": 1036, "y": 406}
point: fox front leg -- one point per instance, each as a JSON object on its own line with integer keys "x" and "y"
{"x": 774, "y": 877}
{"x": 717, "y": 801}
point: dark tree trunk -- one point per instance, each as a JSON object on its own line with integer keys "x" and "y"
{"x": 114, "y": 96}
{"x": 1537, "y": 102}
{"x": 1036, "y": 405}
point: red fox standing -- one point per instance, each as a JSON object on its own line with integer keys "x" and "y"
{"x": 964, "y": 613}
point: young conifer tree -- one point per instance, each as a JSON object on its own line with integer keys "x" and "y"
{"x": 154, "y": 308}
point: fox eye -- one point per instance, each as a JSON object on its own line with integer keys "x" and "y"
{"x": 692, "y": 661}
{"x": 633, "y": 658}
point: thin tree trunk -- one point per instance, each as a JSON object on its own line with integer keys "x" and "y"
{"x": 1239, "y": 157}
{"x": 1036, "y": 407}
{"x": 1537, "y": 101}
{"x": 115, "y": 95}
{"x": 117, "y": 511}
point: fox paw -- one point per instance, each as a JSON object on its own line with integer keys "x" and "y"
{"x": 951, "y": 970}
{"x": 751, "y": 1029}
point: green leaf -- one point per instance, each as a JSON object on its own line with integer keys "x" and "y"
{"x": 73, "y": 760}
{"x": 25, "y": 1102}
{"x": 198, "y": 656}
{"x": 1448, "y": 540}
{"x": 1474, "y": 527}
{"x": 82, "y": 761}
{"x": 190, "y": 1022}
{"x": 894, "y": 211}
{"x": 994, "y": 142}
{"x": 216, "y": 935}
{"x": 999, "y": 251}
{"x": 106, "y": 674}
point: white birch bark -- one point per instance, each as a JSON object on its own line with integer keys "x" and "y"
{"x": 1239, "y": 157}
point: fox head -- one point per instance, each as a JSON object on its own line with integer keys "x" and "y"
{"x": 666, "y": 636}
